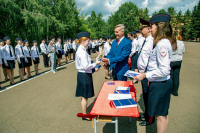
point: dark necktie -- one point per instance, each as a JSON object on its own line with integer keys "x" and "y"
{"x": 45, "y": 47}
{"x": 117, "y": 42}
{"x": 10, "y": 51}
{"x": 22, "y": 50}
{"x": 37, "y": 51}
{"x": 29, "y": 51}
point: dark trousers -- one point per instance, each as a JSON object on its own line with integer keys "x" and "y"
{"x": 175, "y": 72}
{"x": 45, "y": 59}
{"x": 74, "y": 53}
{"x": 118, "y": 77}
{"x": 145, "y": 91}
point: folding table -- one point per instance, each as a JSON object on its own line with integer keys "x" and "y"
{"x": 103, "y": 110}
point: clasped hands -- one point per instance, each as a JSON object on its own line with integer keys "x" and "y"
{"x": 106, "y": 61}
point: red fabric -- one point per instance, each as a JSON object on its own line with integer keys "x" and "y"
{"x": 129, "y": 62}
{"x": 103, "y": 106}
{"x": 117, "y": 42}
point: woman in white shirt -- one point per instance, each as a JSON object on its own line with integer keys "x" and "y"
{"x": 84, "y": 86}
{"x": 66, "y": 50}
{"x": 158, "y": 71}
{"x": 176, "y": 60}
{"x": 106, "y": 50}
{"x": 9, "y": 59}
{"x": 27, "y": 53}
{"x": 35, "y": 56}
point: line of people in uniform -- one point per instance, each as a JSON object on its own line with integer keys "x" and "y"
{"x": 26, "y": 56}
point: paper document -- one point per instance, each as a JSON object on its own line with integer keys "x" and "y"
{"x": 119, "y": 96}
{"x": 130, "y": 73}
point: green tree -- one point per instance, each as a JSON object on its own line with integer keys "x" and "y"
{"x": 186, "y": 27}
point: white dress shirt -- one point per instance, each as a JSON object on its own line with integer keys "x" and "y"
{"x": 140, "y": 42}
{"x": 66, "y": 47}
{"x": 19, "y": 52}
{"x": 34, "y": 52}
{"x": 74, "y": 45}
{"x": 93, "y": 44}
{"x": 134, "y": 46}
{"x": 6, "y": 52}
{"x": 159, "y": 63}
{"x": 177, "y": 55}
{"x": 120, "y": 40}
{"x": 83, "y": 61}
{"x": 107, "y": 48}
{"x": 143, "y": 58}
{"x": 43, "y": 48}
{"x": 70, "y": 45}
{"x": 58, "y": 46}
{"x": 2, "y": 54}
{"x": 27, "y": 51}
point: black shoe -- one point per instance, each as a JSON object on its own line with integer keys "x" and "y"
{"x": 107, "y": 78}
{"x": 144, "y": 123}
{"x": 21, "y": 79}
{"x": 84, "y": 119}
{"x": 29, "y": 77}
{"x": 37, "y": 74}
{"x": 6, "y": 79}
{"x": 11, "y": 83}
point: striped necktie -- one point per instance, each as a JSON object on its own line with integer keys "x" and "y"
{"x": 117, "y": 42}
{"x": 10, "y": 51}
{"x": 22, "y": 50}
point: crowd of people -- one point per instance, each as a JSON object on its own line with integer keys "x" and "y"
{"x": 154, "y": 52}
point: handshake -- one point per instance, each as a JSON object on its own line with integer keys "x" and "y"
{"x": 106, "y": 61}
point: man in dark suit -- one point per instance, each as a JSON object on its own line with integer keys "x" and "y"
{"x": 119, "y": 54}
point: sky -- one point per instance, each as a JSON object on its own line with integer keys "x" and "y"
{"x": 106, "y": 7}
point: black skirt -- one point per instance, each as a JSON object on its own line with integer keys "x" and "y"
{"x": 71, "y": 51}
{"x": 22, "y": 65}
{"x": 66, "y": 54}
{"x": 11, "y": 64}
{"x": 59, "y": 55}
{"x": 29, "y": 62}
{"x": 37, "y": 61}
{"x": 3, "y": 64}
{"x": 84, "y": 86}
{"x": 159, "y": 98}
{"x": 134, "y": 59}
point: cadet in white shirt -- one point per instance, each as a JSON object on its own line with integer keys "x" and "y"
{"x": 176, "y": 61}
{"x": 27, "y": 54}
{"x": 158, "y": 71}
{"x": 93, "y": 48}
{"x": 107, "y": 48}
{"x": 9, "y": 59}
{"x": 100, "y": 49}
{"x": 66, "y": 50}
{"x": 74, "y": 45}
{"x": 59, "y": 50}
{"x": 84, "y": 87}
{"x": 142, "y": 62}
{"x": 70, "y": 49}
{"x": 20, "y": 57}
{"x": 140, "y": 40}
{"x": 3, "y": 62}
{"x": 134, "y": 51}
{"x": 35, "y": 56}
{"x": 44, "y": 51}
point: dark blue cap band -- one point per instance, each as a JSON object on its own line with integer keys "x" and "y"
{"x": 160, "y": 17}
{"x": 83, "y": 34}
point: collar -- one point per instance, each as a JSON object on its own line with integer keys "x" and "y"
{"x": 149, "y": 37}
{"x": 82, "y": 47}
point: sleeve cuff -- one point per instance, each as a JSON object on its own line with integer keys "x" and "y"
{"x": 148, "y": 75}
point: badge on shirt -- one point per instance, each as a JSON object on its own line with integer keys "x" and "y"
{"x": 163, "y": 51}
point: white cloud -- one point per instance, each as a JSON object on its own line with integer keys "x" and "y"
{"x": 106, "y": 9}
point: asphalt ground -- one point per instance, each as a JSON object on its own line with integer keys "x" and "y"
{"x": 47, "y": 103}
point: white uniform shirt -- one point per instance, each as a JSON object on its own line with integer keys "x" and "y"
{"x": 177, "y": 55}
{"x": 6, "y": 53}
{"x": 75, "y": 45}
{"x": 90, "y": 45}
{"x": 140, "y": 42}
{"x": 27, "y": 51}
{"x": 66, "y": 47}
{"x": 83, "y": 61}
{"x": 70, "y": 45}
{"x": 34, "y": 52}
{"x": 93, "y": 44}
{"x": 19, "y": 52}
{"x": 58, "y": 47}
{"x": 134, "y": 46}
{"x": 107, "y": 48}
{"x": 43, "y": 48}
{"x": 159, "y": 63}
{"x": 144, "y": 54}
{"x": 2, "y": 54}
